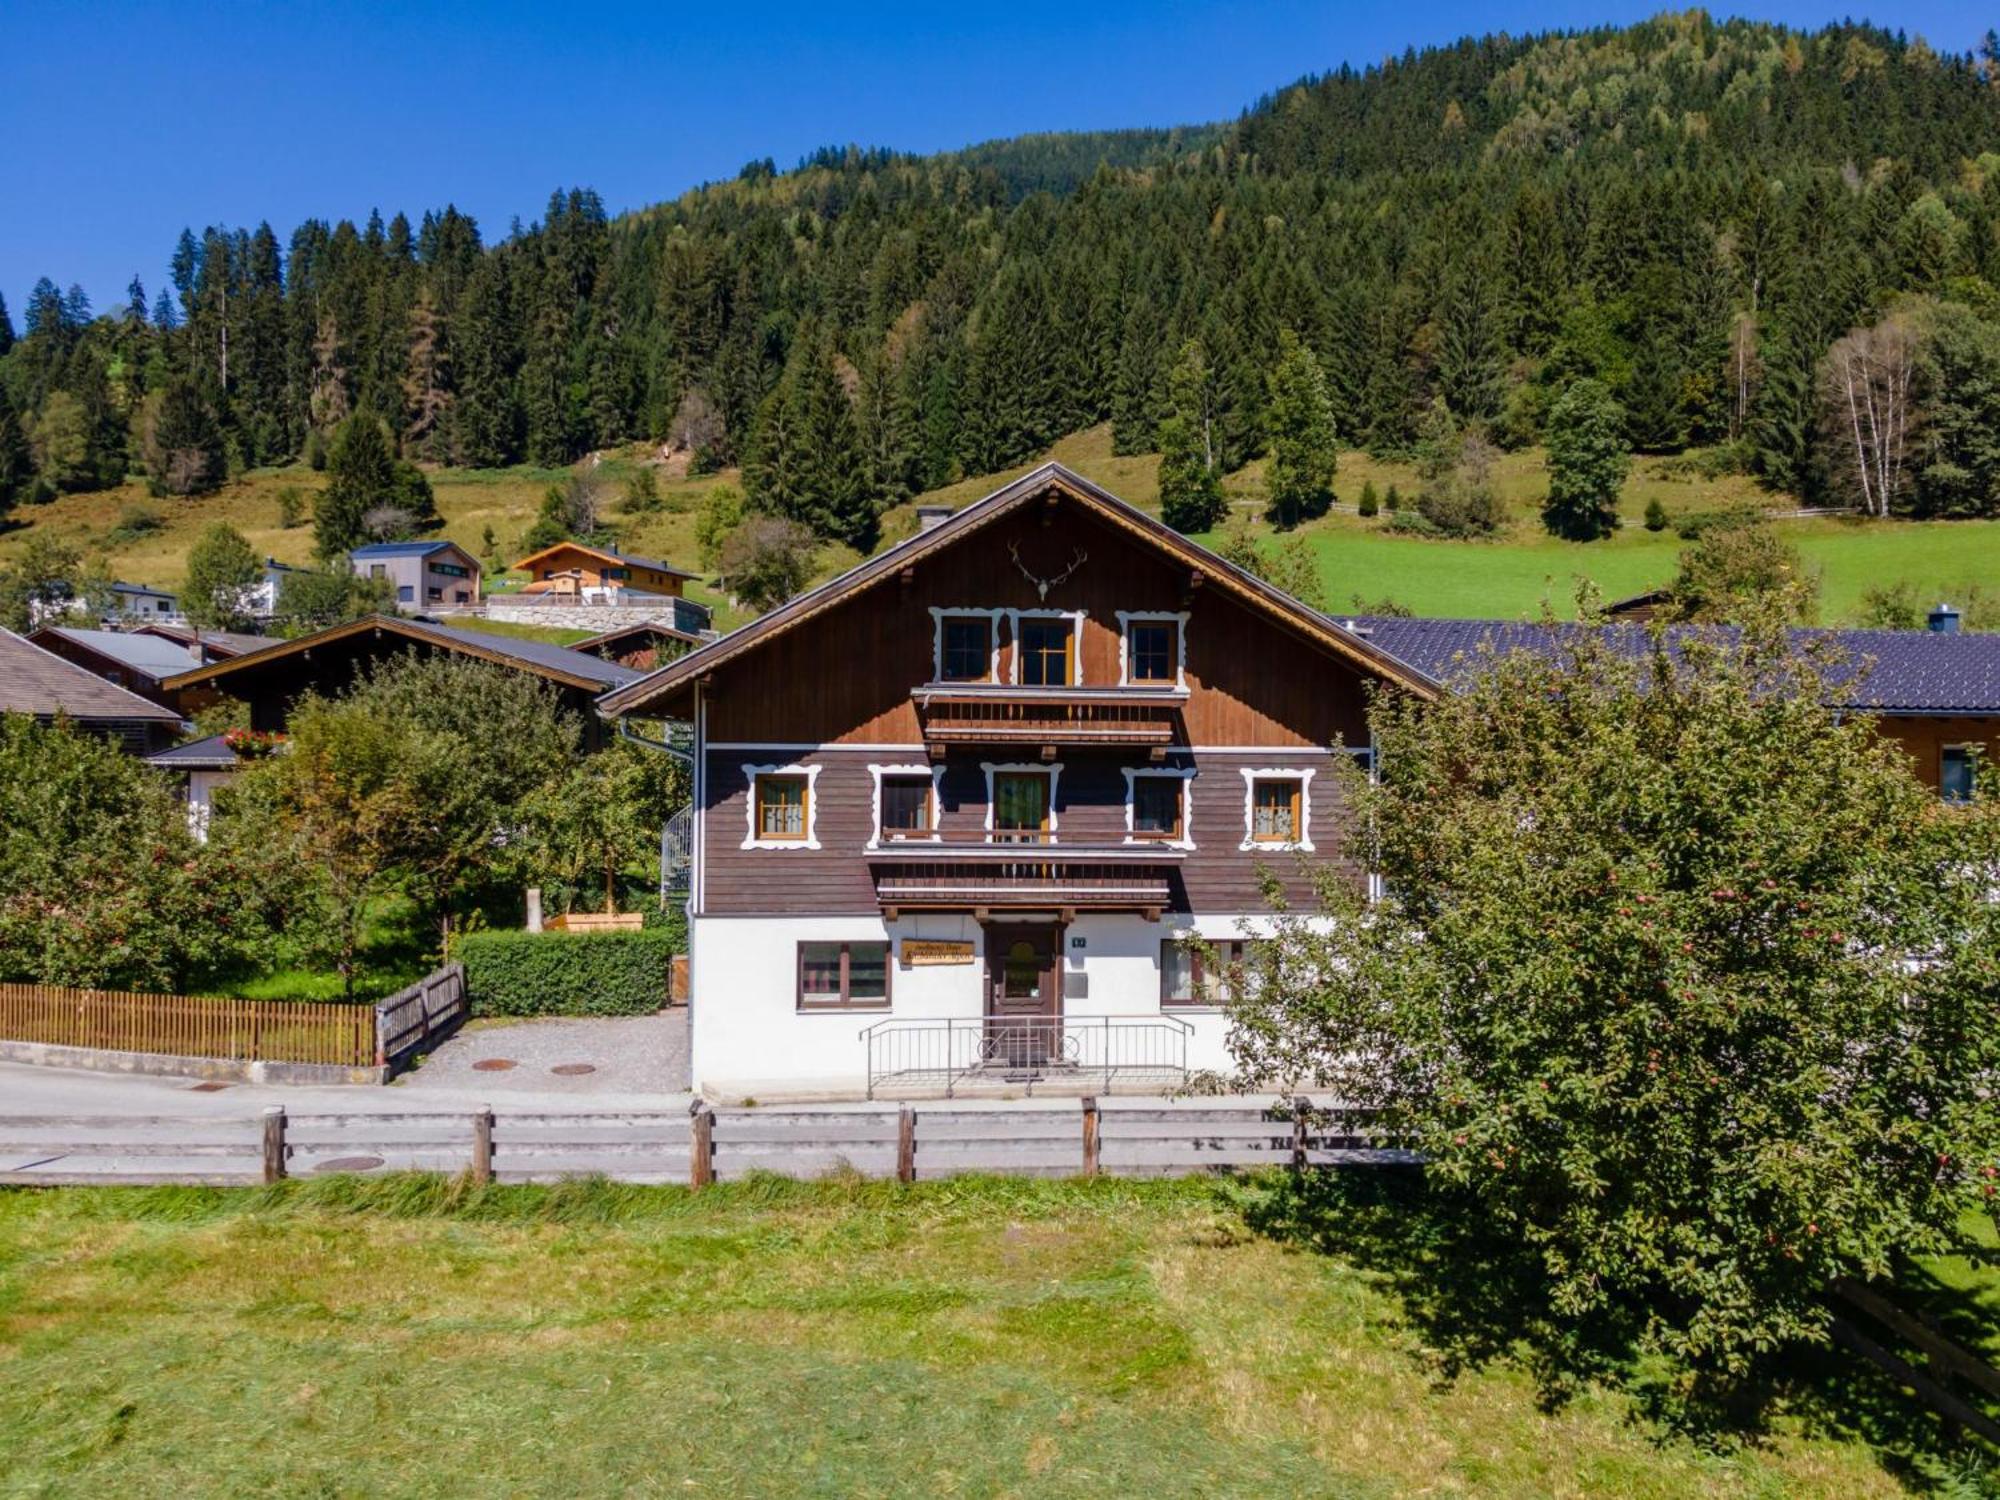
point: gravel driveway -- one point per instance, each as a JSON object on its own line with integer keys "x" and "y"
{"x": 608, "y": 1055}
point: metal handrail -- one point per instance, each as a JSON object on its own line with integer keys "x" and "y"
{"x": 1029, "y": 1049}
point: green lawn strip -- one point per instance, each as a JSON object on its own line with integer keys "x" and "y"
{"x": 977, "y": 1337}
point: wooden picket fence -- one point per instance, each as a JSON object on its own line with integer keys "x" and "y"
{"x": 333, "y": 1034}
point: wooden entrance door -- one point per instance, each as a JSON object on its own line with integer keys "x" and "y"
{"x": 1023, "y": 994}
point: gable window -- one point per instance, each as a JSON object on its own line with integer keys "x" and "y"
{"x": 1019, "y": 813}
{"x": 1152, "y": 651}
{"x": 1203, "y": 974}
{"x": 781, "y": 808}
{"x": 405, "y": 593}
{"x": 1046, "y": 646}
{"x": 1276, "y": 812}
{"x": 965, "y": 648}
{"x": 909, "y": 806}
{"x": 378, "y": 570}
{"x": 1955, "y": 773}
{"x": 844, "y": 976}
{"x": 1159, "y": 811}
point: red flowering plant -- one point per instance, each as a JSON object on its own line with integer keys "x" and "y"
{"x": 1682, "y": 984}
{"x": 252, "y": 744}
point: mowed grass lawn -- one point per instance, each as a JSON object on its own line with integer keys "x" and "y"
{"x": 971, "y": 1338}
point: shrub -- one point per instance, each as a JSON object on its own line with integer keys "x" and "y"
{"x": 134, "y": 523}
{"x": 1656, "y": 515}
{"x": 567, "y": 974}
{"x": 1369, "y": 503}
{"x": 1392, "y": 501}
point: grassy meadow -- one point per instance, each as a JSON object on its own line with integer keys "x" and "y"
{"x": 969, "y": 1338}
{"x": 1359, "y": 559}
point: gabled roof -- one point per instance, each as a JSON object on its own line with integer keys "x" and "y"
{"x": 557, "y": 663}
{"x": 213, "y": 642}
{"x": 146, "y": 653}
{"x": 38, "y": 682}
{"x": 406, "y": 549}
{"x": 209, "y": 754}
{"x": 646, "y": 628}
{"x": 610, "y": 555}
{"x": 887, "y": 565}
{"x": 141, "y": 588}
{"x": 1898, "y": 671}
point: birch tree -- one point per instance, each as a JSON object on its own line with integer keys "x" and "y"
{"x": 1866, "y": 406}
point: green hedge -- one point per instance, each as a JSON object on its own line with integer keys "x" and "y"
{"x": 567, "y": 973}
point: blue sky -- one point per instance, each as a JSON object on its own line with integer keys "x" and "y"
{"x": 121, "y": 123}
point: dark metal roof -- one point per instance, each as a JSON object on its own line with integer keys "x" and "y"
{"x": 578, "y": 668}
{"x": 1038, "y": 481}
{"x": 1893, "y": 671}
{"x": 209, "y": 754}
{"x": 38, "y": 682}
{"x": 213, "y": 642}
{"x": 402, "y": 549}
{"x": 145, "y": 653}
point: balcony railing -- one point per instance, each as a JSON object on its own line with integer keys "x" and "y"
{"x": 955, "y": 875}
{"x": 1106, "y": 1051}
{"x": 1002, "y": 714}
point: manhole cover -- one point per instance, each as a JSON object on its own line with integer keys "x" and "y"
{"x": 494, "y": 1065}
{"x": 350, "y": 1164}
{"x": 208, "y": 1088}
{"x": 573, "y": 1070}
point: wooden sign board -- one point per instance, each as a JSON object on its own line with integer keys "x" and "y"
{"x": 922, "y": 952}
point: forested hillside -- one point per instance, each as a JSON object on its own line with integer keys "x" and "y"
{"x": 1699, "y": 215}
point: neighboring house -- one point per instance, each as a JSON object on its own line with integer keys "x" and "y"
{"x": 328, "y": 662}
{"x": 45, "y": 686}
{"x": 586, "y": 571}
{"x": 126, "y": 603}
{"x": 976, "y": 794}
{"x": 260, "y": 600}
{"x": 641, "y": 647}
{"x": 1639, "y": 607}
{"x": 216, "y": 645}
{"x": 423, "y": 574}
{"x": 1935, "y": 692}
{"x": 136, "y": 659}
{"x": 207, "y": 764}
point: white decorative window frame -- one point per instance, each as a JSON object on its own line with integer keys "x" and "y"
{"x": 1050, "y": 769}
{"x": 1303, "y": 775}
{"x": 811, "y": 774}
{"x": 1185, "y": 775}
{"x": 1127, "y": 618}
{"x": 992, "y": 617}
{"x": 936, "y": 774}
{"x": 1075, "y": 618}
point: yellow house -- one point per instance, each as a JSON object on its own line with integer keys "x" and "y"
{"x": 572, "y": 567}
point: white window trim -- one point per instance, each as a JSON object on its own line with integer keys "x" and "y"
{"x": 936, "y": 774}
{"x": 1127, "y": 618}
{"x": 1186, "y": 775}
{"x": 992, "y": 617}
{"x": 811, "y": 774}
{"x": 1303, "y": 775}
{"x": 1051, "y": 769}
{"x": 1075, "y": 618}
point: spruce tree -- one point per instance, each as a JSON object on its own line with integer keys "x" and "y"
{"x": 1190, "y": 484}
{"x": 6, "y": 329}
{"x": 1587, "y": 463}
{"x": 17, "y": 464}
{"x": 182, "y": 442}
{"x": 360, "y": 476}
{"x": 1299, "y": 418}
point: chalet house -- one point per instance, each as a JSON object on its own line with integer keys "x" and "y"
{"x": 329, "y": 661}
{"x": 45, "y": 687}
{"x": 424, "y": 574}
{"x": 957, "y": 811}
{"x": 642, "y": 647}
{"x": 581, "y": 570}
{"x": 141, "y": 659}
{"x": 125, "y": 604}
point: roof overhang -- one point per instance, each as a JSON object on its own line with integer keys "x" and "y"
{"x": 1049, "y": 480}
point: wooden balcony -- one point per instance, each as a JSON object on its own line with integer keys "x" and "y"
{"x": 1050, "y": 717}
{"x": 1013, "y": 877}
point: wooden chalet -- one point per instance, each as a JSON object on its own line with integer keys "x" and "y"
{"x": 46, "y": 687}
{"x": 958, "y": 811}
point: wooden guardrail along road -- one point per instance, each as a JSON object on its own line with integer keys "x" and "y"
{"x": 696, "y": 1147}
{"x": 333, "y": 1034}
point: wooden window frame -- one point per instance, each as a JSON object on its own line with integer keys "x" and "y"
{"x": 1301, "y": 779}
{"x": 880, "y": 834}
{"x": 1233, "y": 951}
{"x": 1067, "y": 625}
{"x": 1970, "y": 752}
{"x": 1018, "y": 619}
{"x": 754, "y": 835}
{"x": 1050, "y": 773}
{"x": 990, "y": 618}
{"x": 846, "y": 1001}
{"x": 1176, "y": 622}
{"x": 1183, "y": 835}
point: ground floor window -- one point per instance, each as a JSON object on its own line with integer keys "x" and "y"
{"x": 1197, "y": 973}
{"x": 1955, "y": 773}
{"x": 834, "y": 976}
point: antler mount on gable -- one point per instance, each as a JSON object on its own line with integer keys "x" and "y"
{"x": 1043, "y": 585}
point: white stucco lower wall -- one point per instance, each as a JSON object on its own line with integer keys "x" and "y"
{"x": 750, "y": 1039}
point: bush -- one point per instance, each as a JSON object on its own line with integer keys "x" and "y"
{"x": 1656, "y": 515}
{"x": 567, "y": 974}
{"x": 135, "y": 522}
{"x": 1369, "y": 503}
